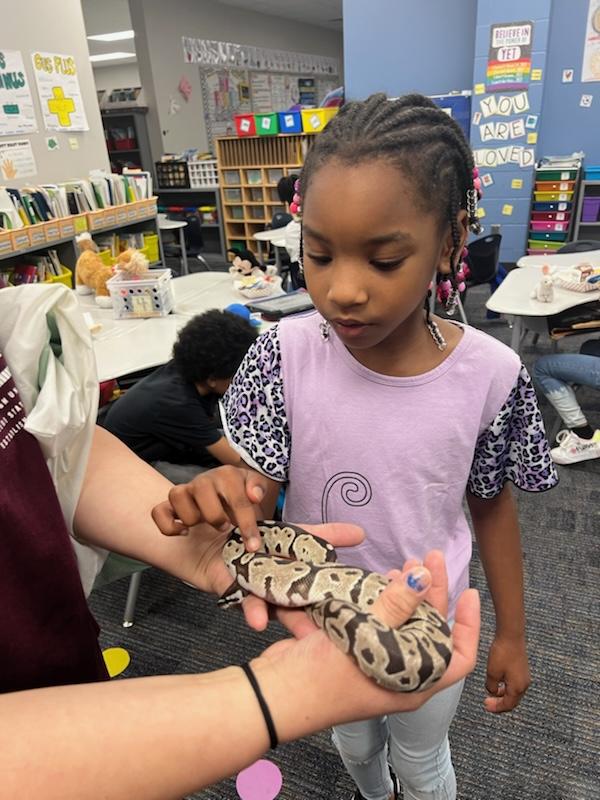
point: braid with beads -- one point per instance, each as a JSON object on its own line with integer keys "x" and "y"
{"x": 415, "y": 135}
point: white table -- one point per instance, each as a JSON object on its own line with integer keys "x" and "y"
{"x": 562, "y": 260}
{"x": 276, "y": 236}
{"x": 131, "y": 345}
{"x": 513, "y": 297}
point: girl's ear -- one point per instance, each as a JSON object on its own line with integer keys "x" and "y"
{"x": 445, "y": 268}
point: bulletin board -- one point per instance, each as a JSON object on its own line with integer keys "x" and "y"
{"x": 227, "y": 92}
{"x": 240, "y": 79}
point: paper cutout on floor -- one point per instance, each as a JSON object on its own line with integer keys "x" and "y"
{"x": 116, "y": 659}
{"x": 260, "y": 781}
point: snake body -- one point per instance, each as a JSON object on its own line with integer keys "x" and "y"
{"x": 294, "y": 568}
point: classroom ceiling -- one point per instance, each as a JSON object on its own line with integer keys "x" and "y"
{"x": 324, "y": 13}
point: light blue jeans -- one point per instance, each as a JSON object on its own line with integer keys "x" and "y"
{"x": 419, "y": 751}
{"x": 556, "y": 373}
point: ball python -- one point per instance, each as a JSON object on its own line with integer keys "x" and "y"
{"x": 295, "y": 568}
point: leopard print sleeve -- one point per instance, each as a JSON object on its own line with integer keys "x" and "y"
{"x": 253, "y": 409}
{"x": 513, "y": 447}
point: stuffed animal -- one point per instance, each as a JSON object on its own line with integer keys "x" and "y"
{"x": 131, "y": 263}
{"x": 543, "y": 291}
{"x": 91, "y": 273}
{"x": 245, "y": 263}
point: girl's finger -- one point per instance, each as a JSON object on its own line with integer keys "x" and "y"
{"x": 401, "y": 596}
{"x": 167, "y": 522}
{"x": 256, "y": 612}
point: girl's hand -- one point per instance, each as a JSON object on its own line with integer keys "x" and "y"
{"x": 343, "y": 693}
{"x": 508, "y": 675}
{"x": 223, "y": 497}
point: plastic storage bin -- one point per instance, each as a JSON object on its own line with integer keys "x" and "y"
{"x": 203, "y": 173}
{"x": 315, "y": 119}
{"x": 592, "y": 173}
{"x": 65, "y": 277}
{"x": 245, "y": 124}
{"x": 554, "y": 186}
{"x": 540, "y": 226}
{"x": 544, "y": 246}
{"x": 590, "y": 211}
{"x": 290, "y": 122}
{"x": 556, "y": 174}
{"x": 142, "y": 297}
{"x": 151, "y": 246}
{"x": 547, "y": 236}
{"x": 551, "y": 196}
{"x": 551, "y": 216}
{"x": 557, "y": 206}
{"x": 266, "y": 124}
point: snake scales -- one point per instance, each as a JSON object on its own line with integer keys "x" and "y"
{"x": 294, "y": 568}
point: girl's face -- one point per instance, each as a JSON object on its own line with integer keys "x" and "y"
{"x": 370, "y": 252}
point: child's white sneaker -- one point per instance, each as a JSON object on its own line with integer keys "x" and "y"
{"x": 572, "y": 448}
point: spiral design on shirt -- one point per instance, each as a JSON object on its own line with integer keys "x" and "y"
{"x": 354, "y": 489}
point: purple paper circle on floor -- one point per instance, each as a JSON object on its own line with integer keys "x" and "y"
{"x": 260, "y": 781}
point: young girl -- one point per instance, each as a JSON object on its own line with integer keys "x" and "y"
{"x": 370, "y": 410}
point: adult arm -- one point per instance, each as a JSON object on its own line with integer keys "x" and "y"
{"x": 164, "y": 737}
{"x": 497, "y": 532}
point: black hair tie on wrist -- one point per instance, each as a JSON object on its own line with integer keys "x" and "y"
{"x": 263, "y": 705}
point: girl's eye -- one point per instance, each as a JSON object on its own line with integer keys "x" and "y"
{"x": 319, "y": 259}
{"x": 387, "y": 265}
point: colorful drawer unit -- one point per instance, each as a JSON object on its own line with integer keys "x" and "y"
{"x": 592, "y": 173}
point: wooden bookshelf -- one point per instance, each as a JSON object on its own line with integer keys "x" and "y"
{"x": 249, "y": 169}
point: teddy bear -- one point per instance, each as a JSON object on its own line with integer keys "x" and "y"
{"x": 91, "y": 273}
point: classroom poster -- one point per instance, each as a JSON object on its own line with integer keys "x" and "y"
{"x": 16, "y": 104}
{"x": 16, "y": 160}
{"x": 590, "y": 70}
{"x": 59, "y": 91}
{"x": 509, "y": 59}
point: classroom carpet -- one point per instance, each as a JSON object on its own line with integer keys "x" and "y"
{"x": 548, "y": 749}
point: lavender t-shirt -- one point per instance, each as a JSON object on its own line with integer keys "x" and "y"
{"x": 394, "y": 455}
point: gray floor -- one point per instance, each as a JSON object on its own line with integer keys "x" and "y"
{"x": 547, "y": 750}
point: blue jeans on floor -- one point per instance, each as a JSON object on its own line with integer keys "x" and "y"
{"x": 419, "y": 750}
{"x": 556, "y": 373}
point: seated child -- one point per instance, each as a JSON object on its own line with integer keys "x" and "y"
{"x": 555, "y": 375}
{"x": 168, "y": 418}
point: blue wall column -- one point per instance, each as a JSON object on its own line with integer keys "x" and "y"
{"x": 506, "y": 201}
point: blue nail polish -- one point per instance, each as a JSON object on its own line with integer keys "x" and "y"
{"x": 415, "y": 581}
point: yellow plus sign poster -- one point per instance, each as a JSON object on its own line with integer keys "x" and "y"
{"x": 59, "y": 91}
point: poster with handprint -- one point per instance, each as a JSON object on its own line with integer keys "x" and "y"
{"x": 16, "y": 160}
{"x": 16, "y": 105}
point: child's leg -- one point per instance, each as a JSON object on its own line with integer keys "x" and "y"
{"x": 363, "y": 749}
{"x": 554, "y": 374}
{"x": 419, "y": 747}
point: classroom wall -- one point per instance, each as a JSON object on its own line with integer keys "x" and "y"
{"x": 399, "y": 46}
{"x": 505, "y": 204}
{"x": 57, "y": 28}
{"x": 565, "y": 125}
{"x": 159, "y": 29}
{"x": 120, "y": 76}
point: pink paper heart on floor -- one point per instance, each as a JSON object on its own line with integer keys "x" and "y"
{"x": 260, "y": 781}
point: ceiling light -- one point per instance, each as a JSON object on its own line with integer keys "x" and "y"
{"x": 111, "y": 56}
{"x": 117, "y": 36}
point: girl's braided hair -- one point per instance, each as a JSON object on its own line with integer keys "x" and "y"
{"x": 415, "y": 135}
